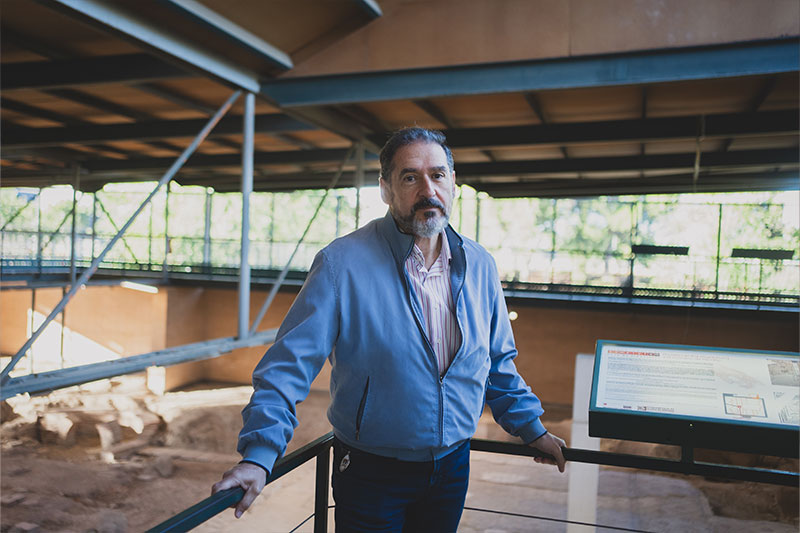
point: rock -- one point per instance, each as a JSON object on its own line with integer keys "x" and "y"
{"x": 12, "y": 499}
{"x": 129, "y": 419}
{"x": 7, "y": 412}
{"x": 55, "y": 428}
{"x": 110, "y": 433}
{"x": 164, "y": 466}
{"x": 110, "y": 521}
{"x": 25, "y": 527}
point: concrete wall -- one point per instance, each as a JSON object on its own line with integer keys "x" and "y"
{"x": 548, "y": 338}
{"x": 124, "y": 321}
{"x": 197, "y": 314}
{"x": 425, "y": 33}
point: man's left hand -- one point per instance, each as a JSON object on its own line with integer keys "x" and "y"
{"x": 551, "y": 445}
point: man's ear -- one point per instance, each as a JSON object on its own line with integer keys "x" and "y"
{"x": 386, "y": 193}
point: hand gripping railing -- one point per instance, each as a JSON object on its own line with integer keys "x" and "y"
{"x": 320, "y": 448}
{"x": 215, "y": 504}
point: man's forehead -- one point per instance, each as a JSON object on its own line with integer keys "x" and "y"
{"x": 434, "y": 168}
{"x": 421, "y": 154}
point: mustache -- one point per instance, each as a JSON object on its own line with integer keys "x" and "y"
{"x": 427, "y": 202}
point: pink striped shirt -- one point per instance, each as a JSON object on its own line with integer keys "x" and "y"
{"x": 434, "y": 291}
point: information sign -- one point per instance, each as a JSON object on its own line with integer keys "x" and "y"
{"x": 722, "y": 398}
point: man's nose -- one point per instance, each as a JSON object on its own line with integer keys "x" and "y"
{"x": 427, "y": 189}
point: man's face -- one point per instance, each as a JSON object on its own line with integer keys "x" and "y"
{"x": 420, "y": 193}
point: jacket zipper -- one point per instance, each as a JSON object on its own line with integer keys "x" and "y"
{"x": 361, "y": 406}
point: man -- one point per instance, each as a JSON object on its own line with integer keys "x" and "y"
{"x": 412, "y": 317}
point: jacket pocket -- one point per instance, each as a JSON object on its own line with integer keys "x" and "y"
{"x": 361, "y": 405}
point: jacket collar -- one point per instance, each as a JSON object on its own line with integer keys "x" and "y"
{"x": 401, "y": 243}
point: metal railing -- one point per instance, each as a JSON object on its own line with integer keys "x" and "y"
{"x": 57, "y": 270}
{"x": 321, "y": 447}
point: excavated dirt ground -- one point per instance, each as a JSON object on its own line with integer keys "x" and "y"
{"x": 111, "y": 457}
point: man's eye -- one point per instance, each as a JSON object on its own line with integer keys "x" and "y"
{"x": 408, "y": 178}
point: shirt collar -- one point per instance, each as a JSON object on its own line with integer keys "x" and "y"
{"x": 444, "y": 255}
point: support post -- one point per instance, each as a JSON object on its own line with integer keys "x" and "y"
{"x": 33, "y": 323}
{"x": 359, "y": 180}
{"x": 207, "y": 232}
{"x": 321, "y": 491}
{"x": 719, "y": 242}
{"x": 150, "y": 241}
{"x": 272, "y": 230}
{"x": 168, "y": 175}
{"x": 247, "y": 188}
{"x": 583, "y": 478}
{"x": 63, "y": 325}
{"x": 72, "y": 268}
{"x": 477, "y": 218}
{"x": 553, "y": 242}
{"x": 94, "y": 220}
{"x": 338, "y": 213}
{"x": 167, "y": 246}
{"x": 39, "y": 233}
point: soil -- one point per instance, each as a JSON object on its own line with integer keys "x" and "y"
{"x": 112, "y": 457}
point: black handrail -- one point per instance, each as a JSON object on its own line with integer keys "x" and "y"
{"x": 320, "y": 448}
{"x": 216, "y": 503}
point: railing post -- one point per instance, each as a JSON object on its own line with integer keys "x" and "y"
{"x": 321, "y": 491}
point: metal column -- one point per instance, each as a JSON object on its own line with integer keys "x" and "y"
{"x": 207, "y": 232}
{"x": 168, "y": 175}
{"x": 39, "y": 233}
{"x": 359, "y": 180}
{"x": 72, "y": 269}
{"x": 94, "y": 220}
{"x": 167, "y": 246}
{"x": 247, "y": 188}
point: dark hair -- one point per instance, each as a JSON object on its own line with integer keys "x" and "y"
{"x": 408, "y": 136}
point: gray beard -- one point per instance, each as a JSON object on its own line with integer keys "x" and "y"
{"x": 430, "y": 227}
{"x": 427, "y": 228}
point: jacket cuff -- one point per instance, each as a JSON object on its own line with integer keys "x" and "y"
{"x": 532, "y": 431}
{"x": 260, "y": 456}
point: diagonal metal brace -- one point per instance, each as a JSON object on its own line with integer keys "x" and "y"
{"x": 282, "y": 276}
{"x": 45, "y": 382}
{"x": 168, "y": 175}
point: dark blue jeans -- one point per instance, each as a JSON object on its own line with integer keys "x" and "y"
{"x": 375, "y": 493}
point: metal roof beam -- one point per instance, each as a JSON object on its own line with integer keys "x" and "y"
{"x": 233, "y": 32}
{"x": 673, "y": 64}
{"x": 370, "y": 7}
{"x": 289, "y": 157}
{"x": 745, "y": 158}
{"x": 113, "y": 16}
{"x": 633, "y": 130}
{"x": 127, "y": 68}
{"x": 673, "y": 184}
{"x": 19, "y": 137}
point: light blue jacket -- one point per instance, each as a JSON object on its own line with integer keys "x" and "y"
{"x": 357, "y": 309}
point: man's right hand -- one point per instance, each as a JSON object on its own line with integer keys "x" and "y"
{"x": 250, "y": 477}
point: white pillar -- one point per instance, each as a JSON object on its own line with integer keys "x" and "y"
{"x": 583, "y": 478}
